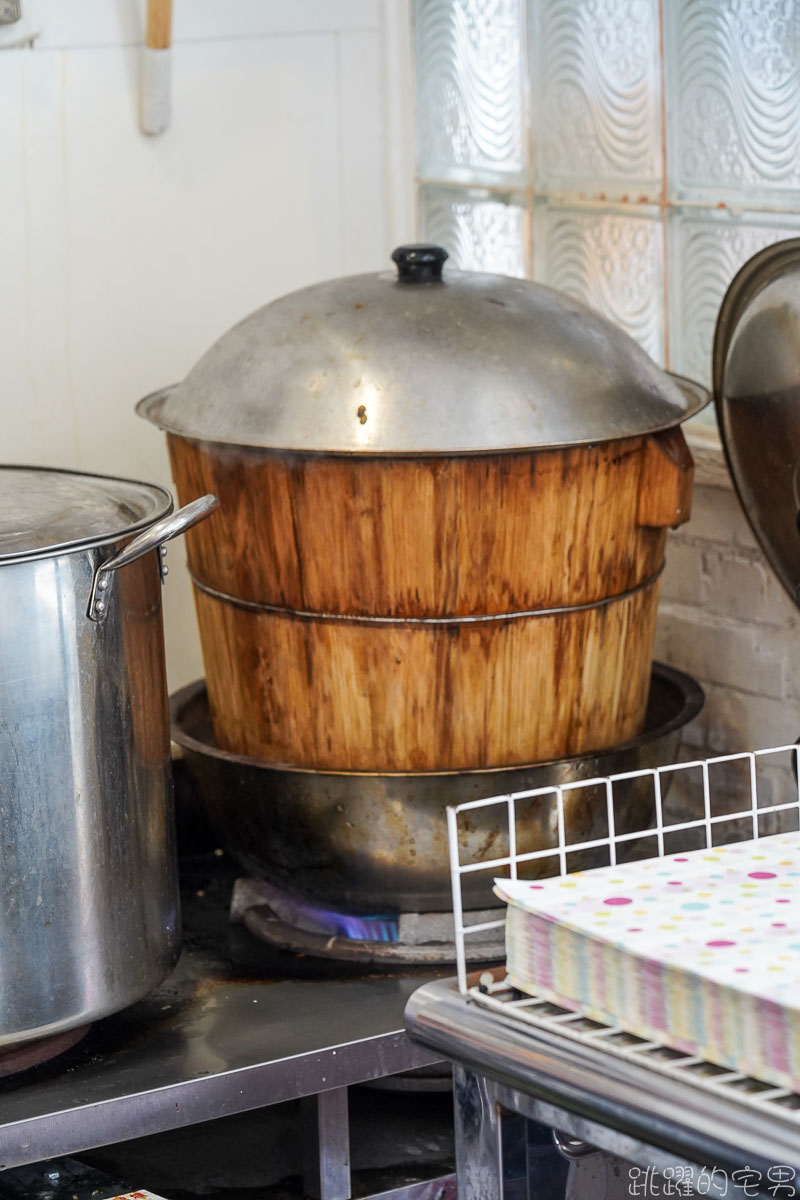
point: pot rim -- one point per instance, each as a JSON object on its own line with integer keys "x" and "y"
{"x": 151, "y": 408}
{"x": 112, "y": 537}
{"x": 694, "y": 699}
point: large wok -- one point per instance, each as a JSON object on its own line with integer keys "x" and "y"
{"x": 365, "y": 842}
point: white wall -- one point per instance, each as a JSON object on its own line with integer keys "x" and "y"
{"x": 289, "y": 160}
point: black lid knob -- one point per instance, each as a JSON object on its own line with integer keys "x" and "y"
{"x": 421, "y": 263}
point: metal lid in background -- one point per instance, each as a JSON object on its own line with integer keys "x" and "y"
{"x": 423, "y": 361}
{"x": 756, "y": 368}
{"x": 43, "y": 511}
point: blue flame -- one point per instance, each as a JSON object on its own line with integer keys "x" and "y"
{"x": 304, "y": 914}
{"x": 365, "y": 929}
{"x": 383, "y": 927}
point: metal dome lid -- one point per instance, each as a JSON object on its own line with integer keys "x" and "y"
{"x": 45, "y": 512}
{"x": 756, "y": 366}
{"x": 423, "y": 361}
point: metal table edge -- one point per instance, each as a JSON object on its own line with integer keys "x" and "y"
{"x": 191, "y": 1101}
{"x": 615, "y": 1093}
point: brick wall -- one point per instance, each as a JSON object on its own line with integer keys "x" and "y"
{"x": 725, "y": 619}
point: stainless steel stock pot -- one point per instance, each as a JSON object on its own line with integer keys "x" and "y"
{"x": 89, "y": 916}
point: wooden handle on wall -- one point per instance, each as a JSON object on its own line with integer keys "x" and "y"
{"x": 665, "y": 484}
{"x": 156, "y": 68}
{"x": 159, "y": 25}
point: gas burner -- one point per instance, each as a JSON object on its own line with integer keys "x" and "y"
{"x": 24, "y": 1055}
{"x": 412, "y": 939}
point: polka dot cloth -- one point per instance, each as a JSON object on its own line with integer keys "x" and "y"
{"x": 710, "y": 962}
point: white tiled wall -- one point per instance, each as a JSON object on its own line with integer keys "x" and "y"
{"x": 289, "y": 160}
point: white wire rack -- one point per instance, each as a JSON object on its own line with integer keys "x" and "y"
{"x": 539, "y": 1013}
{"x": 712, "y": 818}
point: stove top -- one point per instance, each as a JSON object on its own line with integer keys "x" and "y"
{"x": 232, "y": 1002}
{"x": 295, "y": 924}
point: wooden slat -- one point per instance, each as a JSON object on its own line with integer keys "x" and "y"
{"x": 427, "y": 538}
{"x": 346, "y": 695}
{"x": 424, "y": 537}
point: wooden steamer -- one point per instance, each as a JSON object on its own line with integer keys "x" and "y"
{"x": 443, "y": 505}
{"x": 429, "y": 614}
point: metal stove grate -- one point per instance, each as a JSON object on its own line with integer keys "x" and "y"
{"x": 750, "y": 820}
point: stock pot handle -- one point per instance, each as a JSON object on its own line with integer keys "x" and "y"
{"x": 153, "y": 537}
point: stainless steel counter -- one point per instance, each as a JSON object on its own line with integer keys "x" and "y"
{"x": 228, "y": 1031}
{"x": 665, "y": 1114}
{"x": 231, "y": 1048}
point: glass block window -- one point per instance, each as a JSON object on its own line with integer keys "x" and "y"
{"x": 631, "y": 152}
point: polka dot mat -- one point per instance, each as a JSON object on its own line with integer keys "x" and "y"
{"x": 710, "y": 962}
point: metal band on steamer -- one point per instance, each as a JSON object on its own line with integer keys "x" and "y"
{"x": 482, "y": 618}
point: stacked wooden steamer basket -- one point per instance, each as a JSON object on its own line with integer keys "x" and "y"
{"x": 444, "y": 499}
